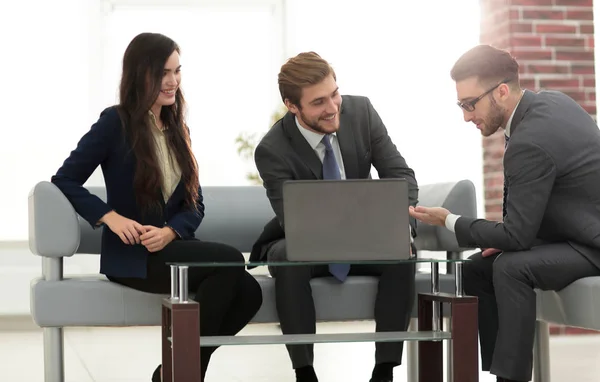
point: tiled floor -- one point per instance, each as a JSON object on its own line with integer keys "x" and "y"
{"x": 131, "y": 354}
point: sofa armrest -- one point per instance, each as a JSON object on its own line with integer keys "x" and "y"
{"x": 53, "y": 224}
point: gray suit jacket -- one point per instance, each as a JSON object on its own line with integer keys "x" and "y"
{"x": 284, "y": 154}
{"x": 552, "y": 166}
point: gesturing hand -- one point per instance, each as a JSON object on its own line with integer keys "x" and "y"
{"x": 155, "y": 239}
{"x": 128, "y": 230}
{"x": 429, "y": 215}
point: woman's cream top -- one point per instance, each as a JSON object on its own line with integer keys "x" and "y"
{"x": 171, "y": 173}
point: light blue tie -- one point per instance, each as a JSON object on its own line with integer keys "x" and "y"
{"x": 331, "y": 170}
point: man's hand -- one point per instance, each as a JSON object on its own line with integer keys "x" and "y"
{"x": 429, "y": 215}
{"x": 489, "y": 252}
{"x": 156, "y": 238}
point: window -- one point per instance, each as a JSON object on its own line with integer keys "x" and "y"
{"x": 230, "y": 55}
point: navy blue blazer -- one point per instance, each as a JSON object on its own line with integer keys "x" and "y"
{"x": 106, "y": 145}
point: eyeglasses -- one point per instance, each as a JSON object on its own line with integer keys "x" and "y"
{"x": 470, "y": 105}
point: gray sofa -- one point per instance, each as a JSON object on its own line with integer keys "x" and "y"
{"x": 234, "y": 215}
{"x": 577, "y": 305}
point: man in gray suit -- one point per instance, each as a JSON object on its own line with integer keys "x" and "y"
{"x": 550, "y": 234}
{"x": 328, "y": 136}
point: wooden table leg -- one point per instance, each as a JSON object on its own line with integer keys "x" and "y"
{"x": 465, "y": 356}
{"x": 167, "y": 354}
{"x": 181, "y": 355}
{"x": 431, "y": 358}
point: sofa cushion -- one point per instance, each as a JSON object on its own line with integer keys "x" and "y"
{"x": 576, "y": 305}
{"x": 95, "y": 301}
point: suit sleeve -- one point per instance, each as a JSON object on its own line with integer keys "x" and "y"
{"x": 388, "y": 161}
{"x": 186, "y": 222}
{"x": 274, "y": 172}
{"x": 92, "y": 150}
{"x": 531, "y": 173}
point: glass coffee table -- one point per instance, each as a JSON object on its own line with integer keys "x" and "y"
{"x": 181, "y": 337}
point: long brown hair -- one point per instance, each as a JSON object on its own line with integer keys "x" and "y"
{"x": 143, "y": 67}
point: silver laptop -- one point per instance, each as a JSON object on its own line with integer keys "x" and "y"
{"x": 346, "y": 220}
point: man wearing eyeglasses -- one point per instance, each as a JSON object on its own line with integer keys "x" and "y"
{"x": 550, "y": 234}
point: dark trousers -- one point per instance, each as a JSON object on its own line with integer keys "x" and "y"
{"x": 296, "y": 309}
{"x": 505, "y": 286}
{"x": 228, "y": 296}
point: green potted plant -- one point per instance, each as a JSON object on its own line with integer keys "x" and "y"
{"x": 246, "y": 143}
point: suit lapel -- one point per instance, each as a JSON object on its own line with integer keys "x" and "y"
{"x": 348, "y": 145}
{"x": 301, "y": 146}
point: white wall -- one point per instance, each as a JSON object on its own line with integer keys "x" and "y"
{"x": 394, "y": 53}
{"x": 63, "y": 66}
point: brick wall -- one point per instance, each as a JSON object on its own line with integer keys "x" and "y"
{"x": 553, "y": 40}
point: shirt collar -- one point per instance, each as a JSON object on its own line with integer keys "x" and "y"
{"x": 311, "y": 137}
{"x": 507, "y": 128}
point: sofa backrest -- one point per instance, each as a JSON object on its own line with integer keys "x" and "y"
{"x": 234, "y": 215}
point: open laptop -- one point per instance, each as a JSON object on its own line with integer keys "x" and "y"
{"x": 346, "y": 220}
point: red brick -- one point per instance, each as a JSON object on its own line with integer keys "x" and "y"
{"x": 578, "y": 96}
{"x": 494, "y": 194}
{"x": 533, "y": 14}
{"x": 586, "y": 29}
{"x": 538, "y": 55}
{"x": 495, "y": 140}
{"x": 559, "y": 83}
{"x": 532, "y": 2}
{"x": 514, "y": 14}
{"x": 580, "y": 14}
{"x": 575, "y": 42}
{"x": 591, "y": 109}
{"x": 496, "y": 182}
{"x": 555, "y": 28}
{"x": 578, "y": 3}
{"x": 493, "y": 154}
{"x": 591, "y": 95}
{"x": 492, "y": 167}
{"x": 583, "y": 69}
{"x": 528, "y": 84}
{"x": 574, "y": 55}
{"x": 589, "y": 83}
{"x": 528, "y": 41}
{"x": 521, "y": 27}
{"x": 547, "y": 69}
{"x": 590, "y": 42}
{"x": 492, "y": 214}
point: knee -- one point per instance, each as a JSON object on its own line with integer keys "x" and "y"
{"x": 508, "y": 266}
{"x": 471, "y": 267}
{"x": 472, "y": 270}
{"x": 229, "y": 254}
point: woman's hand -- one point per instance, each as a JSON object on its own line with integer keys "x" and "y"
{"x": 155, "y": 239}
{"x": 128, "y": 230}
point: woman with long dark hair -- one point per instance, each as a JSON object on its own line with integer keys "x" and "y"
{"x": 154, "y": 199}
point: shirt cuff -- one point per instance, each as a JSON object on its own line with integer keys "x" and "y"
{"x": 451, "y": 221}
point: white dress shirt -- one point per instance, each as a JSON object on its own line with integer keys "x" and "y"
{"x": 314, "y": 140}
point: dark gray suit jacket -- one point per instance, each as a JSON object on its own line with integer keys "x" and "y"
{"x": 552, "y": 166}
{"x": 284, "y": 154}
